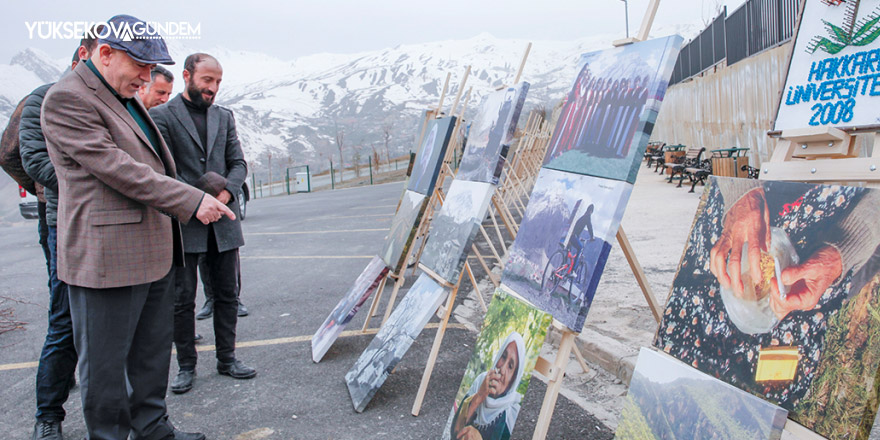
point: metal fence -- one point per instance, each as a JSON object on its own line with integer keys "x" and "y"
{"x": 752, "y": 28}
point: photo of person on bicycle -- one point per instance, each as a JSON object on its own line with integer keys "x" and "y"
{"x": 572, "y": 240}
{"x": 563, "y": 242}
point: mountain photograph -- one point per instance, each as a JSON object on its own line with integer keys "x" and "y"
{"x": 669, "y": 400}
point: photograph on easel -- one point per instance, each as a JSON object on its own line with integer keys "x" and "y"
{"x": 403, "y": 229}
{"x": 497, "y": 376}
{"x": 393, "y": 340}
{"x": 347, "y": 307}
{"x": 455, "y": 227}
{"x": 608, "y": 115}
{"x": 429, "y": 158}
{"x": 778, "y": 293}
{"x": 668, "y": 399}
{"x": 492, "y": 129}
{"x": 563, "y": 242}
{"x": 831, "y": 81}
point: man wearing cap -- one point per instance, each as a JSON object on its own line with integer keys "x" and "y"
{"x": 55, "y": 372}
{"x": 118, "y": 232}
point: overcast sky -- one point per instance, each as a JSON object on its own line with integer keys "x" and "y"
{"x": 290, "y": 29}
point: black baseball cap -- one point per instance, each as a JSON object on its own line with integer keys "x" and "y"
{"x": 136, "y": 38}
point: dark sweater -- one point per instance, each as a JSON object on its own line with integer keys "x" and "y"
{"x": 200, "y": 119}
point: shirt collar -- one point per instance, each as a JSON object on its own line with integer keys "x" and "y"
{"x": 101, "y": 77}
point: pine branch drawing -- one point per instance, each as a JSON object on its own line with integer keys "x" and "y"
{"x": 850, "y": 33}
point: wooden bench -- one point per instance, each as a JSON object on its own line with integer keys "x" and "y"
{"x": 691, "y": 159}
{"x": 659, "y": 158}
{"x": 698, "y": 174}
{"x": 653, "y": 149}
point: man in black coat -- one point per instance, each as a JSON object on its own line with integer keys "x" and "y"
{"x": 203, "y": 140}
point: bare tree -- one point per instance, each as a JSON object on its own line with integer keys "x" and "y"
{"x": 375, "y": 157}
{"x": 386, "y": 133}
{"x": 541, "y": 110}
{"x": 714, "y": 11}
{"x": 356, "y": 158}
{"x": 340, "y": 137}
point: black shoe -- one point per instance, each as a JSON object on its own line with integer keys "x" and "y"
{"x": 47, "y": 430}
{"x": 197, "y": 338}
{"x": 207, "y": 310}
{"x": 236, "y": 369}
{"x": 242, "y": 310}
{"x": 180, "y": 435}
{"x": 183, "y": 382}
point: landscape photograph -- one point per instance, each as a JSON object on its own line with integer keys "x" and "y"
{"x": 670, "y": 400}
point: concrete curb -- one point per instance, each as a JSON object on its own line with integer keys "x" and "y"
{"x": 606, "y": 352}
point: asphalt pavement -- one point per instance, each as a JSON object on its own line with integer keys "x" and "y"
{"x": 302, "y": 253}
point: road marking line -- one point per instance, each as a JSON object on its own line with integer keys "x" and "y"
{"x": 305, "y": 257}
{"x": 352, "y": 216}
{"x": 318, "y": 232}
{"x": 258, "y": 343}
{"x": 18, "y": 366}
{"x": 295, "y": 339}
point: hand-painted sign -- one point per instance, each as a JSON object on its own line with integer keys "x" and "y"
{"x": 834, "y": 76}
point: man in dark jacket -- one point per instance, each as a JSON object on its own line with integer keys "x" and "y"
{"x": 55, "y": 371}
{"x": 203, "y": 140}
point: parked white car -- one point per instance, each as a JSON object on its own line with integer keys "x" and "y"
{"x": 28, "y": 204}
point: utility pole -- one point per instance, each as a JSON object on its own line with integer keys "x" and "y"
{"x": 626, "y": 12}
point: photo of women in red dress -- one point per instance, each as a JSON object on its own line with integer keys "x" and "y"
{"x": 608, "y": 115}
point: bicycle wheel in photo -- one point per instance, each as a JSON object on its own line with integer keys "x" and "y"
{"x": 551, "y": 279}
{"x": 580, "y": 280}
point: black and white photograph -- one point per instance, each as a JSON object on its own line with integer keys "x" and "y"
{"x": 491, "y": 131}
{"x": 403, "y": 229}
{"x": 430, "y": 156}
{"x": 454, "y": 229}
{"x": 393, "y": 340}
{"x": 348, "y": 306}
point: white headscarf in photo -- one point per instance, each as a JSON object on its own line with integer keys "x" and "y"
{"x": 509, "y": 402}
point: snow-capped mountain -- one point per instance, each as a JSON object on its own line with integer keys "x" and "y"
{"x": 293, "y": 108}
{"x": 26, "y": 71}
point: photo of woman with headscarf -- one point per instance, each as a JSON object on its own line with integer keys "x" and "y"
{"x": 488, "y": 400}
{"x": 490, "y": 408}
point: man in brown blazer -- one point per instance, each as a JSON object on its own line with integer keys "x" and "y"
{"x": 118, "y": 232}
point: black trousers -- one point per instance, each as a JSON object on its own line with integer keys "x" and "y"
{"x": 206, "y": 280}
{"x": 123, "y": 340}
{"x": 221, "y": 269}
